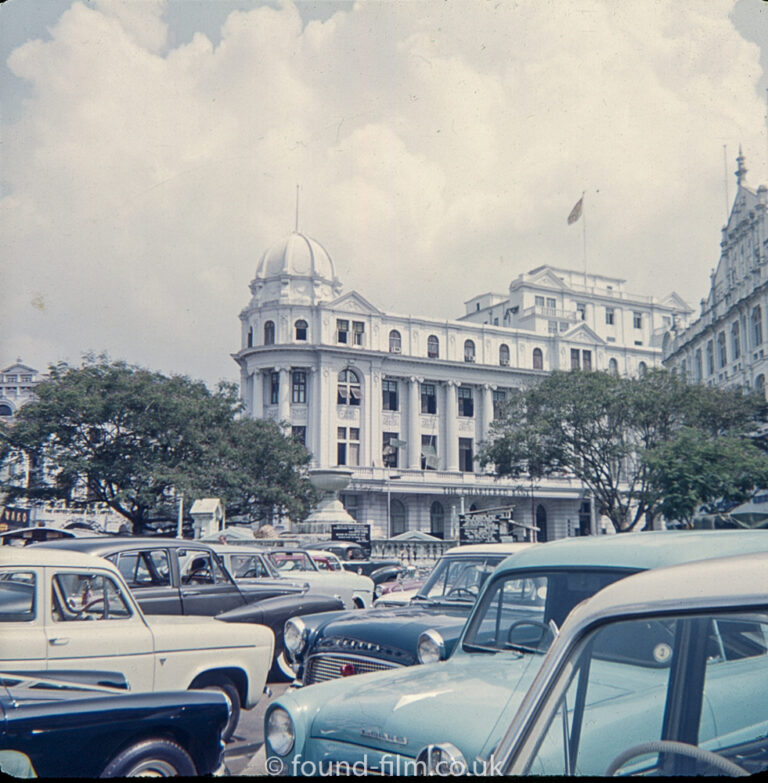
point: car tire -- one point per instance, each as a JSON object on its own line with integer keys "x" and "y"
{"x": 155, "y": 757}
{"x": 222, "y": 684}
{"x": 282, "y": 670}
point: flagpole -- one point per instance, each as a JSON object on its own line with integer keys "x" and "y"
{"x": 584, "y": 241}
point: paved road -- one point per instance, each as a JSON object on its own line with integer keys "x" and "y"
{"x": 249, "y": 736}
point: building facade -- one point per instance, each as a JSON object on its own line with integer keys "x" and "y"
{"x": 405, "y": 401}
{"x": 17, "y": 386}
{"x": 725, "y": 345}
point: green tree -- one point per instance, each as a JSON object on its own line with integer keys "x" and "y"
{"x": 696, "y": 470}
{"x": 599, "y": 427}
{"x": 133, "y": 439}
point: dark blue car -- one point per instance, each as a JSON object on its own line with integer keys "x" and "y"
{"x": 339, "y": 644}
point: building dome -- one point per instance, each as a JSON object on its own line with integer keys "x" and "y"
{"x": 298, "y": 256}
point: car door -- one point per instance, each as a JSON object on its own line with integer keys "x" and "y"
{"x": 148, "y": 573}
{"x": 206, "y": 588}
{"x": 22, "y": 633}
{"x": 91, "y": 622}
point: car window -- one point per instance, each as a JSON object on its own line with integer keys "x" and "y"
{"x": 248, "y": 566}
{"x": 17, "y": 596}
{"x": 460, "y": 578}
{"x": 146, "y": 568}
{"x": 612, "y": 706}
{"x": 200, "y": 567}
{"x": 87, "y": 596}
{"x": 517, "y": 609}
{"x": 292, "y": 561}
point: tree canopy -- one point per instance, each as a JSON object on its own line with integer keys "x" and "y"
{"x": 638, "y": 444}
{"x": 134, "y": 439}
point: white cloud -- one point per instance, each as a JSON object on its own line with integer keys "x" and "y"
{"x": 439, "y": 146}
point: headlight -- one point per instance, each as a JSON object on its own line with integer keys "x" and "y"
{"x": 377, "y": 591}
{"x": 279, "y": 732}
{"x": 444, "y": 760}
{"x": 294, "y": 635}
{"x": 431, "y": 647}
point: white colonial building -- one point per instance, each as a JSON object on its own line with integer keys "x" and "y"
{"x": 405, "y": 400}
{"x": 726, "y": 345}
{"x": 17, "y": 386}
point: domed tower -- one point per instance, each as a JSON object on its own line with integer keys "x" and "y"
{"x": 297, "y": 270}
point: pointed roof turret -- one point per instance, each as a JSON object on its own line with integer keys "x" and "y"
{"x": 741, "y": 171}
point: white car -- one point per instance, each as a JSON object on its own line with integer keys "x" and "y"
{"x": 246, "y": 562}
{"x": 65, "y": 610}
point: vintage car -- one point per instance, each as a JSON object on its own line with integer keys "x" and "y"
{"x": 353, "y": 557}
{"x": 662, "y": 674}
{"x": 400, "y": 587}
{"x": 57, "y": 725}
{"x": 326, "y": 561}
{"x": 68, "y": 610}
{"x": 339, "y": 644}
{"x": 179, "y": 576}
{"x": 466, "y": 703}
{"x": 247, "y": 563}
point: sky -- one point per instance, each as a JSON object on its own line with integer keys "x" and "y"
{"x": 151, "y": 151}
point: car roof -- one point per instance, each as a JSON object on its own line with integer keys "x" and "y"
{"x": 239, "y": 549}
{"x": 511, "y": 548}
{"x": 720, "y": 582}
{"x": 42, "y": 556}
{"x": 642, "y": 550}
{"x": 100, "y": 544}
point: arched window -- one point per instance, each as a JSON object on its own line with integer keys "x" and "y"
{"x": 269, "y": 333}
{"x": 433, "y": 347}
{"x": 760, "y": 384}
{"x": 250, "y": 338}
{"x": 469, "y": 351}
{"x": 395, "y": 342}
{"x": 348, "y": 388}
{"x": 301, "y": 329}
{"x": 641, "y": 370}
{"x": 397, "y": 519}
{"x": 437, "y": 520}
{"x": 613, "y": 367}
{"x": 541, "y": 523}
{"x": 5, "y": 410}
{"x": 538, "y": 359}
{"x": 504, "y": 355}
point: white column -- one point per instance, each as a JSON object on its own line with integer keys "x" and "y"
{"x": 450, "y": 412}
{"x": 284, "y": 408}
{"x": 414, "y": 431}
{"x": 257, "y": 398}
{"x": 314, "y": 414}
{"x": 487, "y": 410}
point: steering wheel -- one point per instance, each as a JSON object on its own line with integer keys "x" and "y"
{"x": 251, "y": 573}
{"x": 461, "y": 591}
{"x": 83, "y": 609}
{"x": 202, "y": 575}
{"x": 680, "y": 748}
{"x": 536, "y": 623}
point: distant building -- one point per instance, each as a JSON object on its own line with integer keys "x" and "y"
{"x": 405, "y": 400}
{"x": 726, "y": 345}
{"x": 17, "y": 385}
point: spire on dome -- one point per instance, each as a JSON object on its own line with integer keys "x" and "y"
{"x": 741, "y": 171}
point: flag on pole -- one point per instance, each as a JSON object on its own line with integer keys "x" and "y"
{"x": 576, "y": 211}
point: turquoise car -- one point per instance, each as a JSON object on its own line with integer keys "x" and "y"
{"x": 381, "y": 722}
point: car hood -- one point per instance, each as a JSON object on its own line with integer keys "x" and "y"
{"x": 398, "y": 626}
{"x": 402, "y": 712}
{"x": 174, "y": 633}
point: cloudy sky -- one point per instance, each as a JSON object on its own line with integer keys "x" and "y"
{"x": 151, "y": 151}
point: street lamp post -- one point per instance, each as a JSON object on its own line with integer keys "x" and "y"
{"x": 390, "y": 477}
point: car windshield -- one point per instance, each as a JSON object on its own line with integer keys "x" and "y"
{"x": 292, "y": 561}
{"x": 458, "y": 578}
{"x": 516, "y": 611}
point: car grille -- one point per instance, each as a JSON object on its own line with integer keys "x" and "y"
{"x": 327, "y": 667}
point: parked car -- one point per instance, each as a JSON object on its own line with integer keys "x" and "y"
{"x": 339, "y": 644}
{"x": 664, "y": 673}
{"x": 399, "y": 588}
{"x": 467, "y": 702}
{"x": 353, "y": 557}
{"x": 176, "y": 576}
{"x": 298, "y": 567}
{"x": 326, "y": 561}
{"x": 72, "y": 611}
{"x": 54, "y": 727}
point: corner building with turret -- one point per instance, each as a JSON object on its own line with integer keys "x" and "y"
{"x": 405, "y": 400}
